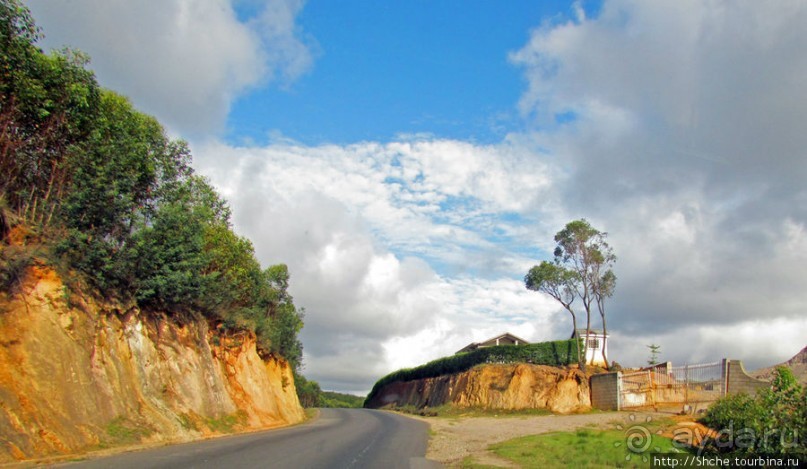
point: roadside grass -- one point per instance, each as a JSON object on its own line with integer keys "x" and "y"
{"x": 123, "y": 431}
{"x": 310, "y": 413}
{"x": 584, "y": 447}
{"x": 469, "y": 463}
{"x": 227, "y": 423}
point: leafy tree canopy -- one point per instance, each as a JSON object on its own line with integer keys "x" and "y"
{"x": 582, "y": 268}
{"x": 117, "y": 201}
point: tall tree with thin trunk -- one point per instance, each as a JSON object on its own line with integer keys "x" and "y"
{"x": 586, "y": 260}
{"x": 559, "y": 283}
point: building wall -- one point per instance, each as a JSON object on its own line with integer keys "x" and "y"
{"x": 605, "y": 391}
{"x": 596, "y": 356}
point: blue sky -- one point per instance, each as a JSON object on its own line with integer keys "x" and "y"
{"x": 390, "y": 68}
{"x": 410, "y": 161}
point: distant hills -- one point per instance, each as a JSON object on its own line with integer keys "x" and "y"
{"x": 340, "y": 400}
{"x": 797, "y": 364}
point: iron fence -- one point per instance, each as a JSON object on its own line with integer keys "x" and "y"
{"x": 665, "y": 384}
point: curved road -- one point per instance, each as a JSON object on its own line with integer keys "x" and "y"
{"x": 339, "y": 438}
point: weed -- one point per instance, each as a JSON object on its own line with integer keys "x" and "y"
{"x": 123, "y": 431}
{"x": 469, "y": 463}
{"x": 188, "y": 422}
{"x": 228, "y": 423}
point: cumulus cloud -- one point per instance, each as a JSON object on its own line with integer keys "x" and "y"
{"x": 183, "y": 60}
{"x": 356, "y": 224}
{"x": 686, "y": 144}
{"x": 674, "y": 126}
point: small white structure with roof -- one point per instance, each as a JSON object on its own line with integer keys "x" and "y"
{"x": 595, "y": 344}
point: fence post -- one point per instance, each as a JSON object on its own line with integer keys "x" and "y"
{"x": 686, "y": 386}
{"x": 618, "y": 390}
{"x": 724, "y": 375}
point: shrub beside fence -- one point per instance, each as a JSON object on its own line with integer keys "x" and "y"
{"x": 557, "y": 353}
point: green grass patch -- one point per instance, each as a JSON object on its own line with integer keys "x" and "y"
{"x": 123, "y": 431}
{"x": 188, "y": 422}
{"x": 469, "y": 463}
{"x": 584, "y": 447}
{"x": 227, "y": 423}
{"x": 310, "y": 413}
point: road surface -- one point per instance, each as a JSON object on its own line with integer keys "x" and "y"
{"x": 339, "y": 438}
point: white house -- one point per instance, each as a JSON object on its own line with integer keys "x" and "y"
{"x": 595, "y": 344}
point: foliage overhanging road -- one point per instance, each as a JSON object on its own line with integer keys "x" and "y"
{"x": 339, "y": 438}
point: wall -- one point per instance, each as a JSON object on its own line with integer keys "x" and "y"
{"x": 739, "y": 381}
{"x": 606, "y": 388}
{"x": 605, "y": 391}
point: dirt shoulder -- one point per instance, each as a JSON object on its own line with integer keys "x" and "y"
{"x": 454, "y": 439}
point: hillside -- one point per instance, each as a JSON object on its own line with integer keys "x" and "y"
{"x": 334, "y": 399}
{"x": 130, "y": 311}
{"x": 77, "y": 374}
{"x": 534, "y": 376}
{"x": 513, "y": 386}
{"x": 797, "y": 364}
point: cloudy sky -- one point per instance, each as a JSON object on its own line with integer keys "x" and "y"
{"x": 411, "y": 160}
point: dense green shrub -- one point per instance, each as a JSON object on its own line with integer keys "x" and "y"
{"x": 308, "y": 392}
{"x": 770, "y": 424}
{"x": 557, "y": 353}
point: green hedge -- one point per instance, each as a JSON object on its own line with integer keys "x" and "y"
{"x": 557, "y": 353}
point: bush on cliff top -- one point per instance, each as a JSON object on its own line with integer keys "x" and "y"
{"x": 557, "y": 353}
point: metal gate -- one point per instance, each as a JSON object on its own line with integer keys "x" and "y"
{"x": 665, "y": 384}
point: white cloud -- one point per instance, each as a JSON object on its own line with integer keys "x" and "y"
{"x": 682, "y": 136}
{"x": 758, "y": 343}
{"x": 686, "y": 145}
{"x": 683, "y": 146}
{"x": 350, "y": 223}
{"x": 183, "y": 60}
{"x": 434, "y": 198}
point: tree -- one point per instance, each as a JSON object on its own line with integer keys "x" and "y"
{"x": 559, "y": 283}
{"x": 117, "y": 203}
{"x": 47, "y": 107}
{"x": 308, "y": 391}
{"x": 113, "y": 192}
{"x": 654, "y": 351}
{"x": 284, "y": 320}
{"x": 581, "y": 268}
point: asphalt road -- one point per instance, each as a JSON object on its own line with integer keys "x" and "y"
{"x": 339, "y": 438}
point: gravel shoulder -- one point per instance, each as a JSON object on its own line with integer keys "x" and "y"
{"x": 454, "y": 439}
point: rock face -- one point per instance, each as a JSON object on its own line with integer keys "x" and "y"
{"x": 75, "y": 375}
{"x": 797, "y": 364}
{"x": 518, "y": 386}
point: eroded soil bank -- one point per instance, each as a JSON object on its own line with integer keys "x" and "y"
{"x": 517, "y": 386}
{"x": 79, "y": 374}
